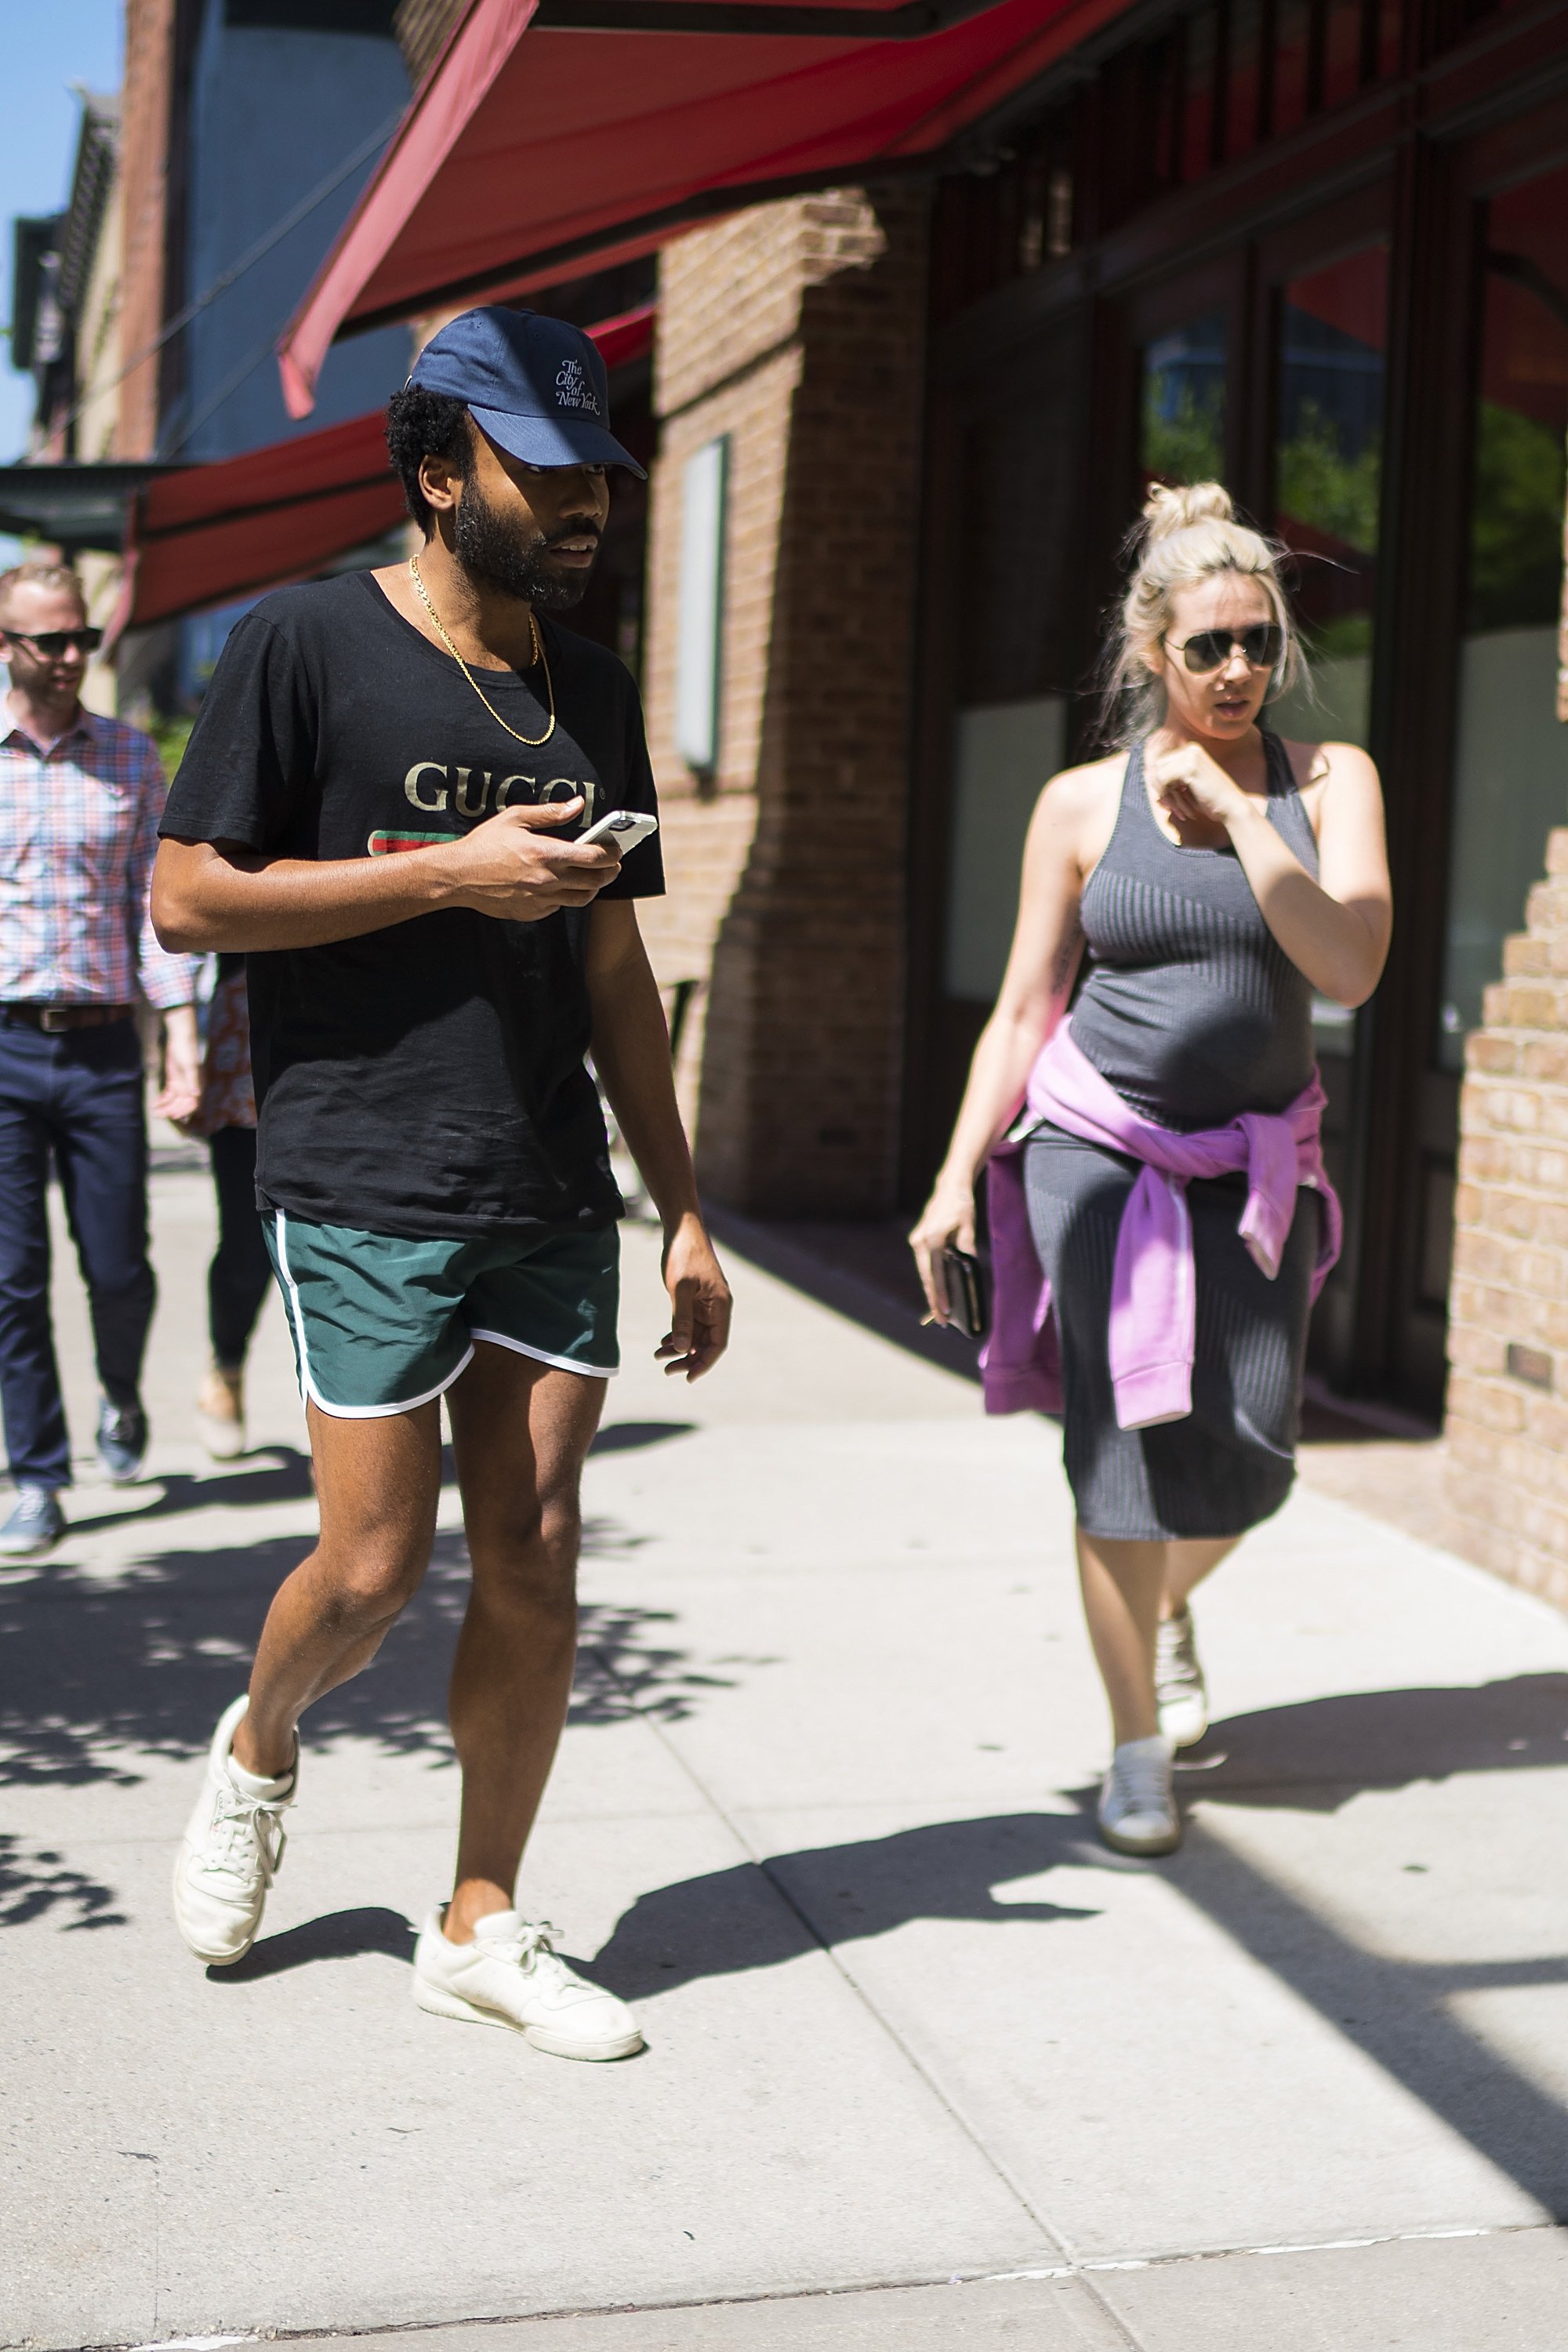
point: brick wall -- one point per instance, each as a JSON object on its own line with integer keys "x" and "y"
{"x": 1508, "y": 1340}
{"x": 143, "y": 181}
{"x": 797, "y": 329}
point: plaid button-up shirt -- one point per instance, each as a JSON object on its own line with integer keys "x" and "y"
{"x": 78, "y": 831}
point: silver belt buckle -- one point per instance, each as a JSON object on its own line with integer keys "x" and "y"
{"x": 54, "y": 1019}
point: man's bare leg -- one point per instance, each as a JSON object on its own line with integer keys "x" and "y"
{"x": 378, "y": 1482}
{"x": 520, "y": 1431}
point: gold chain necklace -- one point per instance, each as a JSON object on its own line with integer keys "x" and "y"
{"x": 534, "y": 741}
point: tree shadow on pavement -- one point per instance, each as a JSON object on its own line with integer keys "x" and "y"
{"x": 35, "y": 1881}
{"x": 102, "y": 1673}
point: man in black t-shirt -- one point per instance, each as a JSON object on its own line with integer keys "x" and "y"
{"x": 381, "y": 805}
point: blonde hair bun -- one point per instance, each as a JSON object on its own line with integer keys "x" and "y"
{"x": 1174, "y": 506}
{"x": 1188, "y": 533}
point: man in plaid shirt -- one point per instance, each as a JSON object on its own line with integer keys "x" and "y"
{"x": 80, "y": 798}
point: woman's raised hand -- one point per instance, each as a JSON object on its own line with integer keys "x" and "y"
{"x": 1192, "y": 787}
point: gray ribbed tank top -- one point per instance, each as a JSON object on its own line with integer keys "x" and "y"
{"x": 1188, "y": 1004}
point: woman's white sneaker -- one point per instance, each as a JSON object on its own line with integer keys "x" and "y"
{"x": 229, "y": 1854}
{"x": 1137, "y": 1809}
{"x": 512, "y": 1975}
{"x": 1179, "y": 1686}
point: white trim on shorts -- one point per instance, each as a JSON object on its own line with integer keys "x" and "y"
{"x": 307, "y": 1380}
{"x": 556, "y": 1363}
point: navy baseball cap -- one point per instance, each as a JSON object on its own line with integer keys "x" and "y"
{"x": 537, "y": 386}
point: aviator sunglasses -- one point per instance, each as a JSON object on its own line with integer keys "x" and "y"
{"x": 51, "y": 644}
{"x": 1261, "y": 646}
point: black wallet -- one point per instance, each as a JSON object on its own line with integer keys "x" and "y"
{"x": 967, "y": 1300}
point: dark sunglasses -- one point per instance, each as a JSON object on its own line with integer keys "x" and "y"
{"x": 1261, "y": 646}
{"x": 52, "y": 643}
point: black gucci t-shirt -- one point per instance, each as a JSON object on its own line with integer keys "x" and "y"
{"x": 427, "y": 1079}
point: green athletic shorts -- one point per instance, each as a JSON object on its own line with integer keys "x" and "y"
{"x": 380, "y": 1324}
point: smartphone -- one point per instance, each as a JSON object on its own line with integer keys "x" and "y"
{"x": 624, "y": 827}
{"x": 966, "y": 1300}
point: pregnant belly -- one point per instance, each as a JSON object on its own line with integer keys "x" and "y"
{"x": 1193, "y": 1058}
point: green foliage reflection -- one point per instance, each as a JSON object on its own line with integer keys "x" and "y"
{"x": 1516, "y": 530}
{"x": 1183, "y": 443}
{"x": 1319, "y": 485}
{"x": 171, "y": 736}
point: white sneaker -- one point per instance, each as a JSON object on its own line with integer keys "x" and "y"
{"x": 510, "y": 1975}
{"x": 231, "y": 1852}
{"x": 1137, "y": 1810}
{"x": 1179, "y": 1684}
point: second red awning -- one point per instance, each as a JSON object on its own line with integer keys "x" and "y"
{"x": 211, "y": 534}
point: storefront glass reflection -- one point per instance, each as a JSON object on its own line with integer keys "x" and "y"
{"x": 1327, "y": 482}
{"x": 1332, "y": 328}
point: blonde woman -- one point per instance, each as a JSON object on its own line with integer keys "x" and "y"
{"x": 1160, "y": 1218}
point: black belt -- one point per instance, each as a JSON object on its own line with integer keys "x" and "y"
{"x": 54, "y": 1018}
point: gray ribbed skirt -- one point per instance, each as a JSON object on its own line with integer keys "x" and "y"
{"x": 1231, "y": 1461}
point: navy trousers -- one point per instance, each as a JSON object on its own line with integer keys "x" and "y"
{"x": 78, "y": 1097}
{"x": 240, "y": 1274}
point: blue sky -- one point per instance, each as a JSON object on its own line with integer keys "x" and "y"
{"x": 47, "y": 47}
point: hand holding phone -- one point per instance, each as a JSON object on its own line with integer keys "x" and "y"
{"x": 623, "y": 828}
{"x": 969, "y": 1307}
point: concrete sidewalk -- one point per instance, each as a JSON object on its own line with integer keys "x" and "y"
{"x": 926, "y": 2067}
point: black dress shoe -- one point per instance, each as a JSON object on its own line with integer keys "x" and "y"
{"x": 122, "y": 1441}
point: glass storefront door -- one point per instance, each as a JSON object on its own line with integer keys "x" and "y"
{"x": 1510, "y": 778}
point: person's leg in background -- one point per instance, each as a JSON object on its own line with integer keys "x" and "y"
{"x": 100, "y": 1151}
{"x": 36, "y": 1439}
{"x": 237, "y": 1282}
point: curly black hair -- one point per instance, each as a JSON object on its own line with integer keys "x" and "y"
{"x": 420, "y": 424}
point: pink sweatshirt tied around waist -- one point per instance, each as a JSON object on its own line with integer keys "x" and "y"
{"x": 1153, "y": 1305}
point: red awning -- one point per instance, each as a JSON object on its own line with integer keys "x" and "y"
{"x": 615, "y": 123}
{"x": 211, "y": 534}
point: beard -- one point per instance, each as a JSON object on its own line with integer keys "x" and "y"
{"x": 496, "y": 552}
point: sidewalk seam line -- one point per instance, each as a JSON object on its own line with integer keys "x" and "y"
{"x": 415, "y": 2327}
